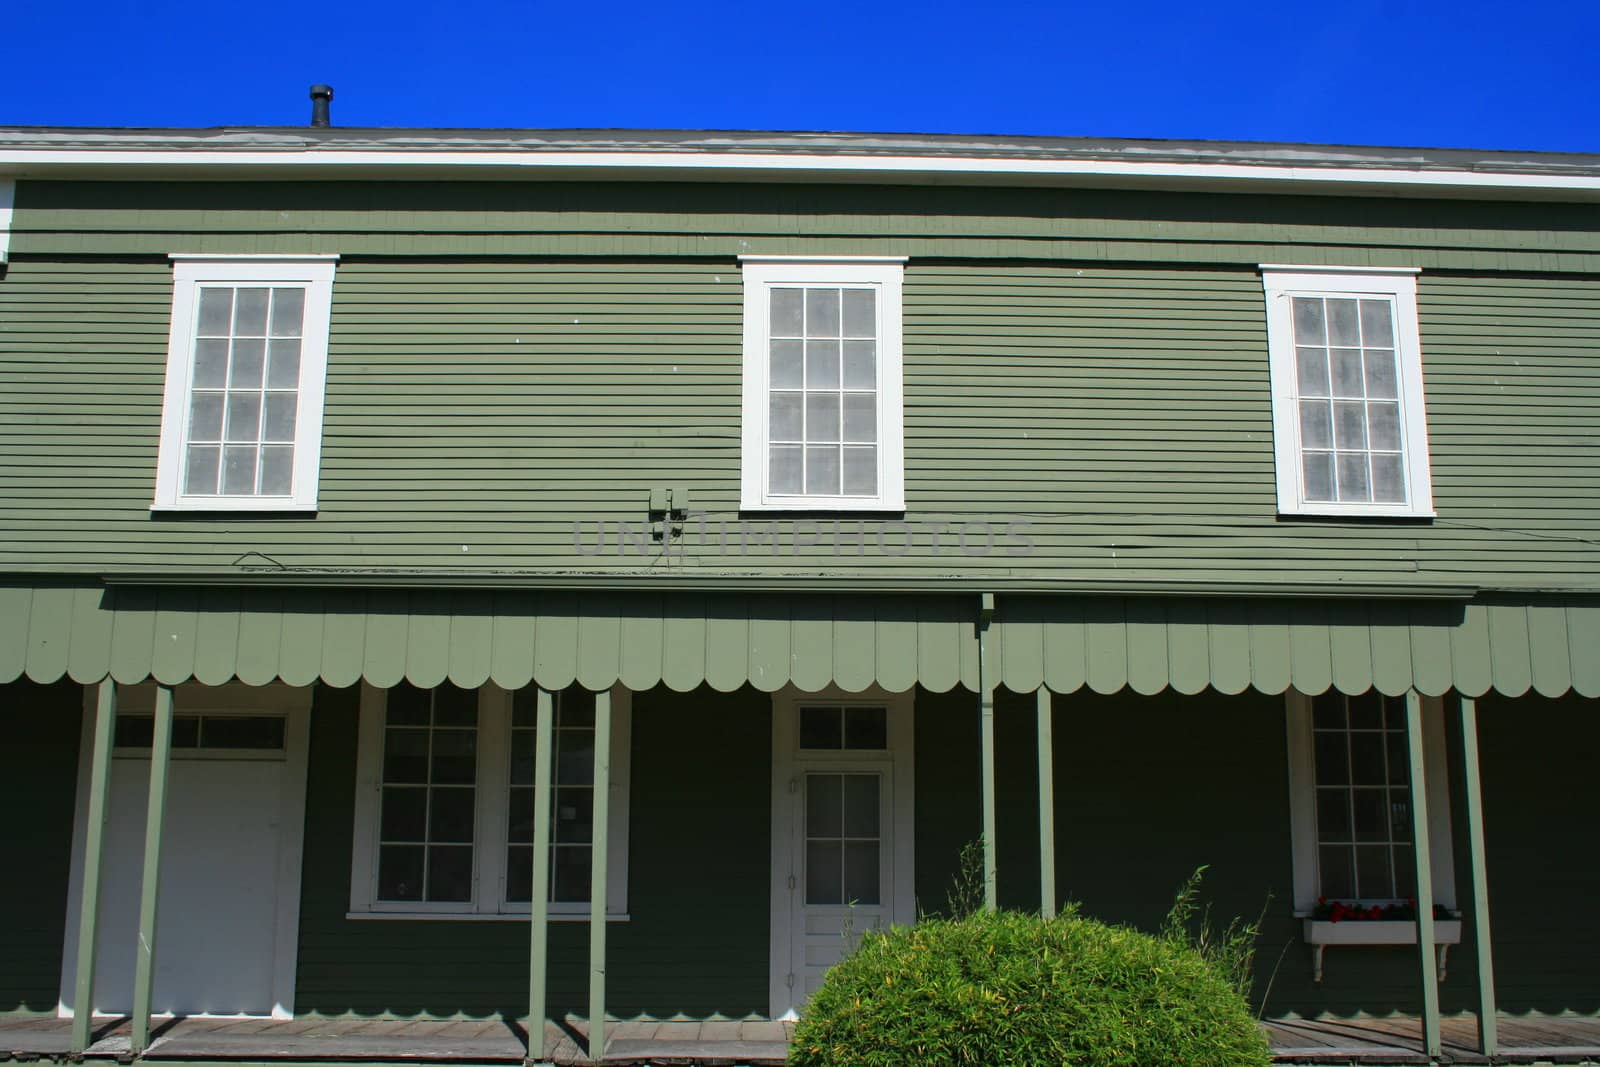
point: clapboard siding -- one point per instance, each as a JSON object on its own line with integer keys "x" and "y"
{"x": 1098, "y": 420}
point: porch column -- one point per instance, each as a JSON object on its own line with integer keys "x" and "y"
{"x": 105, "y": 721}
{"x": 1047, "y": 808}
{"x": 539, "y": 896}
{"x": 1488, "y": 1030}
{"x": 1419, "y": 838}
{"x": 155, "y": 816}
{"x": 597, "y": 875}
{"x": 991, "y": 890}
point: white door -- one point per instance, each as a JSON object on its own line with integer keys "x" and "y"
{"x": 842, "y": 833}
{"x": 229, "y": 868}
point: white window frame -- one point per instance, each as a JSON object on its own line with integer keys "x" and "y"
{"x": 761, "y": 273}
{"x": 1281, "y": 283}
{"x": 489, "y": 836}
{"x": 189, "y": 274}
{"x": 1303, "y": 802}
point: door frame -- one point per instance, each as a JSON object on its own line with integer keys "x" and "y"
{"x": 789, "y": 761}
{"x": 230, "y": 698}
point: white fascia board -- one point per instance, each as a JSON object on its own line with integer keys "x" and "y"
{"x": 791, "y": 166}
{"x": 8, "y": 198}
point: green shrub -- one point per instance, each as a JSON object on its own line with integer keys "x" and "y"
{"x": 999, "y": 989}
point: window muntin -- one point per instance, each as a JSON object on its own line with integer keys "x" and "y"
{"x": 246, "y": 369}
{"x": 571, "y": 801}
{"x": 1363, "y": 798}
{"x": 427, "y": 825}
{"x": 1348, "y": 416}
{"x": 822, "y": 391}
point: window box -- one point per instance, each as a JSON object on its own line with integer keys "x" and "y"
{"x": 1320, "y": 933}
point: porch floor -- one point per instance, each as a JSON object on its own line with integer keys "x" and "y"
{"x": 1392, "y": 1040}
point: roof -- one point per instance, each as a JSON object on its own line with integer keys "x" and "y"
{"x": 338, "y": 152}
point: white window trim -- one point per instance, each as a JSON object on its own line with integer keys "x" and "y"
{"x": 1303, "y": 805}
{"x": 489, "y": 836}
{"x": 315, "y": 272}
{"x": 1281, "y": 282}
{"x": 886, "y": 274}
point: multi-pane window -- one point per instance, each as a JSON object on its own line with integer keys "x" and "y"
{"x": 258, "y": 733}
{"x": 848, "y": 728}
{"x": 429, "y": 780}
{"x": 822, "y": 394}
{"x": 246, "y": 366}
{"x": 1363, "y": 798}
{"x": 844, "y": 838}
{"x": 1348, "y": 419}
{"x": 572, "y": 797}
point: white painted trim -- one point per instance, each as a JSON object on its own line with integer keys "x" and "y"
{"x": 489, "y": 834}
{"x": 229, "y": 698}
{"x": 1302, "y": 801}
{"x": 526, "y": 165}
{"x": 845, "y": 260}
{"x": 788, "y": 759}
{"x": 884, "y": 274}
{"x": 1399, "y": 285}
{"x": 1323, "y": 268}
{"x": 189, "y": 272}
{"x": 8, "y": 201}
{"x": 253, "y": 257}
{"x": 486, "y": 917}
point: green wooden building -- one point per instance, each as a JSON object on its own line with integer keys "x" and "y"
{"x": 414, "y": 539}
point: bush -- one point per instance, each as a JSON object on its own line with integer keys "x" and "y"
{"x": 996, "y": 989}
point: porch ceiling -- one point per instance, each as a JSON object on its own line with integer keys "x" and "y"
{"x": 683, "y": 640}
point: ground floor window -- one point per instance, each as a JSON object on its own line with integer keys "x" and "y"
{"x": 445, "y": 798}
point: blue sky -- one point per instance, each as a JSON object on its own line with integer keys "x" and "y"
{"x": 1519, "y": 75}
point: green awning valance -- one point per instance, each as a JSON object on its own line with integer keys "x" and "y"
{"x": 684, "y": 640}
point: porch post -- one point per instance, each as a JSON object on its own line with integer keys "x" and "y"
{"x": 597, "y": 875}
{"x": 1419, "y": 840}
{"x": 1047, "y": 808}
{"x": 539, "y": 896}
{"x": 105, "y": 720}
{"x": 144, "y": 964}
{"x": 991, "y": 890}
{"x": 1488, "y": 1029}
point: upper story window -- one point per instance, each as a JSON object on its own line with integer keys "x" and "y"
{"x": 241, "y": 420}
{"x": 1348, "y": 421}
{"x": 822, "y": 392}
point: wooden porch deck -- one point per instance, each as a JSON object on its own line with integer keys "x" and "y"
{"x": 1361, "y": 1040}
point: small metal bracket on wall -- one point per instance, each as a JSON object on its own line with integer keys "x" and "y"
{"x": 668, "y": 510}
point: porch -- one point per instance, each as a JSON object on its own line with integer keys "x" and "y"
{"x": 1358, "y": 1040}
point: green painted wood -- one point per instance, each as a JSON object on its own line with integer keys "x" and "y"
{"x": 1310, "y": 648}
{"x": 90, "y": 654}
{"x": 642, "y": 630}
{"x": 728, "y": 644}
{"x": 1583, "y": 634}
{"x": 986, "y": 756}
{"x": 895, "y": 651}
{"x": 1470, "y": 652}
{"x": 555, "y": 649}
{"x": 1106, "y": 646}
{"x": 144, "y": 959}
{"x": 105, "y": 721}
{"x": 471, "y": 637}
{"x": 16, "y": 603}
{"x": 1188, "y": 642}
{"x": 683, "y": 643}
{"x": 770, "y": 643}
{"x": 303, "y": 637}
{"x": 1509, "y": 656}
{"x": 938, "y": 648}
{"x": 1047, "y": 803}
{"x": 49, "y": 629}
{"x": 1350, "y": 646}
{"x": 1477, "y": 859}
{"x": 598, "y": 904}
{"x": 427, "y": 653}
{"x": 1019, "y": 644}
{"x": 855, "y": 641}
{"x": 133, "y": 635}
{"x": 811, "y": 638}
{"x": 384, "y": 640}
{"x": 1228, "y": 625}
{"x": 1426, "y": 945}
{"x": 1550, "y": 663}
{"x": 513, "y": 642}
{"x": 539, "y": 904}
{"x": 344, "y": 648}
{"x": 177, "y": 630}
{"x": 1271, "y": 658}
{"x": 599, "y": 642}
{"x": 261, "y": 636}
{"x": 1146, "y": 631}
{"x": 1389, "y": 643}
{"x": 1066, "y": 666}
{"x": 1429, "y": 641}
{"x": 216, "y": 646}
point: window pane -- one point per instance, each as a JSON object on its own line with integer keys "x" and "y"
{"x": 454, "y": 706}
{"x": 249, "y": 358}
{"x": 822, "y": 313}
{"x": 784, "y": 422}
{"x": 574, "y": 708}
{"x": 134, "y": 731}
{"x": 407, "y": 705}
{"x": 822, "y": 364}
{"x": 861, "y": 417}
{"x": 216, "y": 311}
{"x": 405, "y": 754}
{"x": 1308, "y": 321}
{"x": 1319, "y": 475}
{"x": 1333, "y": 760}
{"x": 1384, "y": 420}
{"x": 784, "y": 474}
{"x": 278, "y": 425}
{"x": 574, "y": 757}
{"x": 1333, "y": 815}
{"x": 822, "y": 470}
{"x": 1350, "y": 424}
{"x": 288, "y": 312}
{"x": 860, "y": 471}
{"x": 455, "y": 757}
{"x": 262, "y": 733}
{"x": 820, "y": 727}
{"x": 205, "y": 417}
{"x": 250, "y": 313}
{"x": 1366, "y": 711}
{"x": 405, "y": 814}
{"x": 824, "y": 804}
{"x": 277, "y": 469}
{"x": 786, "y": 313}
{"x": 1313, "y": 364}
{"x": 283, "y": 365}
{"x": 1316, "y": 424}
{"x": 1346, "y": 363}
{"x": 569, "y": 871}
{"x": 1353, "y": 476}
{"x": 1399, "y": 815}
{"x": 1336, "y": 870}
{"x": 860, "y": 365}
{"x": 1399, "y": 759}
{"x": 450, "y": 815}
{"x": 519, "y": 874}
{"x": 450, "y": 872}
{"x": 1344, "y": 326}
{"x": 244, "y": 416}
{"x": 185, "y": 732}
{"x": 400, "y": 872}
{"x": 522, "y": 760}
{"x": 519, "y": 814}
{"x": 1371, "y": 810}
{"x": 1374, "y": 880}
{"x": 866, "y": 729}
{"x": 860, "y": 317}
{"x": 861, "y": 805}
{"x": 201, "y": 474}
{"x": 239, "y": 470}
{"x": 1388, "y": 478}
{"x": 1366, "y": 759}
{"x": 787, "y": 358}
{"x": 1327, "y": 711}
{"x": 210, "y": 364}
{"x": 822, "y": 417}
{"x": 1405, "y": 872}
{"x": 861, "y": 872}
{"x": 1381, "y": 381}
{"x": 574, "y": 815}
{"x": 1377, "y": 324}
{"x": 824, "y": 872}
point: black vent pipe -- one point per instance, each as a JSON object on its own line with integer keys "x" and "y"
{"x": 320, "y": 96}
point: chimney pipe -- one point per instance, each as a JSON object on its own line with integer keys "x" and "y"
{"x": 320, "y": 95}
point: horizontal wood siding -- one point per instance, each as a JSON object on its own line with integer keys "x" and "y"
{"x": 1095, "y": 422}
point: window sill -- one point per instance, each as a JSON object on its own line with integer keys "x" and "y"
{"x": 488, "y": 916}
{"x": 219, "y": 507}
{"x": 1320, "y": 933}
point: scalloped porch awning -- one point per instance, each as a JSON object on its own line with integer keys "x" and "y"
{"x": 726, "y": 640}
